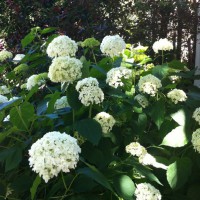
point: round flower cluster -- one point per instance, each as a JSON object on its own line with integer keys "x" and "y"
{"x": 174, "y": 78}
{"x": 65, "y": 69}
{"x": 135, "y": 149}
{"x": 21, "y": 69}
{"x": 106, "y": 121}
{"x": 5, "y": 55}
{"x": 3, "y": 99}
{"x": 90, "y": 42}
{"x": 146, "y": 191}
{"x": 62, "y": 46}
{"x": 34, "y": 80}
{"x": 163, "y": 45}
{"x": 89, "y": 91}
{"x": 112, "y": 45}
{"x": 177, "y": 95}
{"x": 4, "y": 89}
{"x": 149, "y": 84}
{"x": 142, "y": 100}
{"x": 196, "y": 140}
{"x": 18, "y": 58}
{"x": 61, "y": 103}
{"x": 116, "y": 75}
{"x": 55, "y": 152}
{"x": 196, "y": 115}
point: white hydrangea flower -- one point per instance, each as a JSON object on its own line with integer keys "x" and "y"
{"x": 3, "y": 99}
{"x": 13, "y": 98}
{"x": 142, "y": 100}
{"x": 196, "y": 140}
{"x": 55, "y": 152}
{"x": 162, "y": 44}
{"x": 135, "y": 149}
{"x": 7, "y": 118}
{"x": 18, "y": 58}
{"x": 33, "y": 81}
{"x": 4, "y": 89}
{"x": 196, "y": 115}
{"x": 4, "y": 55}
{"x": 106, "y": 121}
{"x": 112, "y": 45}
{"x": 86, "y": 82}
{"x": 61, "y": 103}
{"x": 177, "y": 95}
{"x": 65, "y": 69}
{"x": 91, "y": 95}
{"x": 174, "y": 78}
{"x": 62, "y": 46}
{"x": 115, "y": 76}
{"x": 149, "y": 84}
{"x": 146, "y": 191}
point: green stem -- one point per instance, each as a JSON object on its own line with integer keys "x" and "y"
{"x": 94, "y": 57}
{"x": 64, "y": 181}
{"x": 90, "y": 111}
{"x": 162, "y": 57}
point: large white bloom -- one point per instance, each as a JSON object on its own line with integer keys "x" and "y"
{"x": 135, "y": 149}
{"x": 5, "y": 55}
{"x": 162, "y": 44}
{"x": 116, "y": 75}
{"x": 33, "y": 81}
{"x": 4, "y": 89}
{"x": 142, "y": 100}
{"x": 65, "y": 69}
{"x": 146, "y": 191}
{"x": 112, "y": 45}
{"x": 196, "y": 140}
{"x": 149, "y": 84}
{"x": 196, "y": 115}
{"x": 106, "y": 121}
{"x": 62, "y": 46}
{"x": 86, "y": 82}
{"x": 177, "y": 95}
{"x": 3, "y": 99}
{"x": 55, "y": 152}
{"x": 18, "y": 58}
{"x": 61, "y": 103}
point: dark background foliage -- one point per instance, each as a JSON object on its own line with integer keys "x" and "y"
{"x": 137, "y": 21}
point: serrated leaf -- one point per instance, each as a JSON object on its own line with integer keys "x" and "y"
{"x": 176, "y": 138}
{"x": 90, "y": 129}
{"x": 179, "y": 172}
{"x": 124, "y": 186}
{"x": 34, "y": 187}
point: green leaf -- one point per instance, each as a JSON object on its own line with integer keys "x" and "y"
{"x": 176, "y": 64}
{"x": 48, "y": 30}
{"x": 179, "y": 172}
{"x": 53, "y": 97}
{"x": 124, "y": 186}
{"x": 90, "y": 129}
{"x": 21, "y": 116}
{"x": 9, "y": 104}
{"x": 3, "y": 135}
{"x": 14, "y": 158}
{"x": 31, "y": 93}
{"x": 157, "y": 112}
{"x": 160, "y": 71}
{"x": 28, "y": 39}
{"x": 176, "y": 138}
{"x": 34, "y": 187}
{"x": 72, "y": 98}
{"x": 179, "y": 117}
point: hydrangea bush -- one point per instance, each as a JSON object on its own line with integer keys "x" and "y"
{"x": 97, "y": 120}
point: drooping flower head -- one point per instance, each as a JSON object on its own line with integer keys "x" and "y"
{"x": 62, "y": 46}
{"x": 142, "y": 100}
{"x": 4, "y": 89}
{"x": 65, "y": 69}
{"x": 36, "y": 79}
{"x": 196, "y": 140}
{"x": 5, "y": 55}
{"x": 55, "y": 152}
{"x": 177, "y": 95}
{"x": 163, "y": 45}
{"x": 146, "y": 191}
{"x": 196, "y": 115}
{"x": 116, "y": 76}
{"x": 112, "y": 45}
{"x": 89, "y": 91}
{"x": 21, "y": 69}
{"x": 106, "y": 121}
{"x": 90, "y": 42}
{"x": 149, "y": 84}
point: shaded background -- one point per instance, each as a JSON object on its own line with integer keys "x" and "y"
{"x": 137, "y": 21}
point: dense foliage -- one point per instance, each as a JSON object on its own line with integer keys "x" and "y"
{"x": 127, "y": 124}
